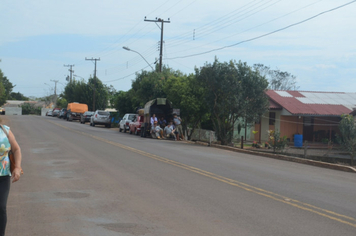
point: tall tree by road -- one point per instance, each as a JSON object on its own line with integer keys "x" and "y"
{"x": 232, "y": 90}
{"x": 278, "y": 80}
{"x": 82, "y": 92}
{"x": 347, "y": 128}
{"x": 5, "y": 88}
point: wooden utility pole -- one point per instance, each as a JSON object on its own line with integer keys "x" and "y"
{"x": 71, "y": 71}
{"x": 55, "y": 92}
{"x": 161, "y": 43}
{"x": 95, "y": 60}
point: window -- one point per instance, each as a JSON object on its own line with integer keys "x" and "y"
{"x": 272, "y": 118}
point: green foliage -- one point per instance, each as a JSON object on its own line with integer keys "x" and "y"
{"x": 2, "y": 94}
{"x": 62, "y": 103}
{"x": 5, "y": 88}
{"x": 124, "y": 102}
{"x": 230, "y": 91}
{"x": 347, "y": 128}
{"x": 185, "y": 93}
{"x": 29, "y": 108}
{"x": 276, "y": 141}
{"x": 82, "y": 92}
{"x": 18, "y": 96}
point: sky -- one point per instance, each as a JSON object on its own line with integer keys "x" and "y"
{"x": 312, "y": 40}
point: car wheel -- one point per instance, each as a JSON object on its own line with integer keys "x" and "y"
{"x": 124, "y": 129}
{"x": 93, "y": 123}
{"x": 120, "y": 129}
{"x": 136, "y": 133}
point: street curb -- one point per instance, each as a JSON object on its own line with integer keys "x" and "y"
{"x": 282, "y": 157}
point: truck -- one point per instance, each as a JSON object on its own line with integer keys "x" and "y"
{"x": 75, "y": 109}
{"x": 160, "y": 107}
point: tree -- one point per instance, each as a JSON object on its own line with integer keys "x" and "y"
{"x": 82, "y": 92}
{"x": 347, "y": 128}
{"x": 232, "y": 90}
{"x": 18, "y": 96}
{"x": 185, "y": 93}
{"x": 5, "y": 88}
{"x": 278, "y": 80}
{"x": 61, "y": 103}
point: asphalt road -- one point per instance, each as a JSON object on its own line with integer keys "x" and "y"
{"x": 83, "y": 180}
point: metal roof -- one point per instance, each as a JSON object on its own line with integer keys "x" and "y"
{"x": 313, "y": 103}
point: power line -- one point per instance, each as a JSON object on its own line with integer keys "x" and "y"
{"x": 267, "y": 34}
{"x": 95, "y": 60}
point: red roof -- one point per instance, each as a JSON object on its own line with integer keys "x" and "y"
{"x": 313, "y": 103}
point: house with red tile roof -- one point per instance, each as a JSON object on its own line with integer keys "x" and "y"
{"x": 315, "y": 115}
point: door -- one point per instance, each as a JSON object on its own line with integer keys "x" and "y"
{"x": 308, "y": 128}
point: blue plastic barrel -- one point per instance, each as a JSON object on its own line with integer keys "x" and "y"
{"x": 298, "y": 140}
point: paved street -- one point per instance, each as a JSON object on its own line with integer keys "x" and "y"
{"x": 83, "y": 180}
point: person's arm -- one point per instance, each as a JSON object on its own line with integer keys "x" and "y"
{"x": 16, "y": 150}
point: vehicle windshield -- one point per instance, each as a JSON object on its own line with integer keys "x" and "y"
{"x": 89, "y": 113}
{"x": 131, "y": 117}
{"x": 103, "y": 113}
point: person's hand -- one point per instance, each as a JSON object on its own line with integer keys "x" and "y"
{"x": 15, "y": 175}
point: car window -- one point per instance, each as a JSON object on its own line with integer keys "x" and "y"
{"x": 103, "y": 113}
{"x": 131, "y": 117}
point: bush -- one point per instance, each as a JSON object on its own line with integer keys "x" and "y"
{"x": 276, "y": 141}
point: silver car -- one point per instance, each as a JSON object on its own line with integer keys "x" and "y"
{"x": 101, "y": 118}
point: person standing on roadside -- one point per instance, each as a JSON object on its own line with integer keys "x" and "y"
{"x": 178, "y": 127}
{"x": 7, "y": 143}
{"x": 153, "y": 119}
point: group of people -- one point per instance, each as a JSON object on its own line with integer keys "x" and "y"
{"x": 162, "y": 129}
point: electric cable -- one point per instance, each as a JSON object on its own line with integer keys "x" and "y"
{"x": 267, "y": 34}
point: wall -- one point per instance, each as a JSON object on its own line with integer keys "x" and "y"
{"x": 44, "y": 111}
{"x": 10, "y": 111}
{"x": 291, "y": 125}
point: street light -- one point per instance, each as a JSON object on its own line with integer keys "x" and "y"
{"x": 128, "y": 49}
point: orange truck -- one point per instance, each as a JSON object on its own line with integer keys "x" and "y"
{"x": 74, "y": 110}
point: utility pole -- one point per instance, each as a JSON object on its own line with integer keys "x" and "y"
{"x": 71, "y": 71}
{"x": 95, "y": 60}
{"x": 161, "y": 47}
{"x": 55, "y": 91}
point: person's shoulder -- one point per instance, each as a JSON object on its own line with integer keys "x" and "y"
{"x": 6, "y": 127}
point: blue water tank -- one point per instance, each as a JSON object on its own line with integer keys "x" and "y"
{"x": 298, "y": 140}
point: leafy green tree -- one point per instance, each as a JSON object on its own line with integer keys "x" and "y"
{"x": 185, "y": 93}
{"x": 82, "y": 92}
{"x": 2, "y": 94}
{"x": 5, "y": 88}
{"x": 18, "y": 96}
{"x": 347, "y": 128}
{"x": 278, "y": 80}
{"x": 232, "y": 90}
{"x": 62, "y": 102}
{"x": 124, "y": 102}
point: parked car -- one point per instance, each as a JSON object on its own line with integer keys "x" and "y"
{"x": 61, "y": 113}
{"x": 85, "y": 117}
{"x": 49, "y": 113}
{"x": 101, "y": 118}
{"x": 56, "y": 111}
{"x": 135, "y": 126}
{"x": 125, "y": 121}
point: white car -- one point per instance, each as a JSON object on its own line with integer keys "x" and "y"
{"x": 50, "y": 113}
{"x": 126, "y": 120}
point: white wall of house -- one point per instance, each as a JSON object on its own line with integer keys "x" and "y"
{"x": 11, "y": 111}
{"x": 265, "y": 124}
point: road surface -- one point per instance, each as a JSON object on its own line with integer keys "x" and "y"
{"x": 83, "y": 180}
